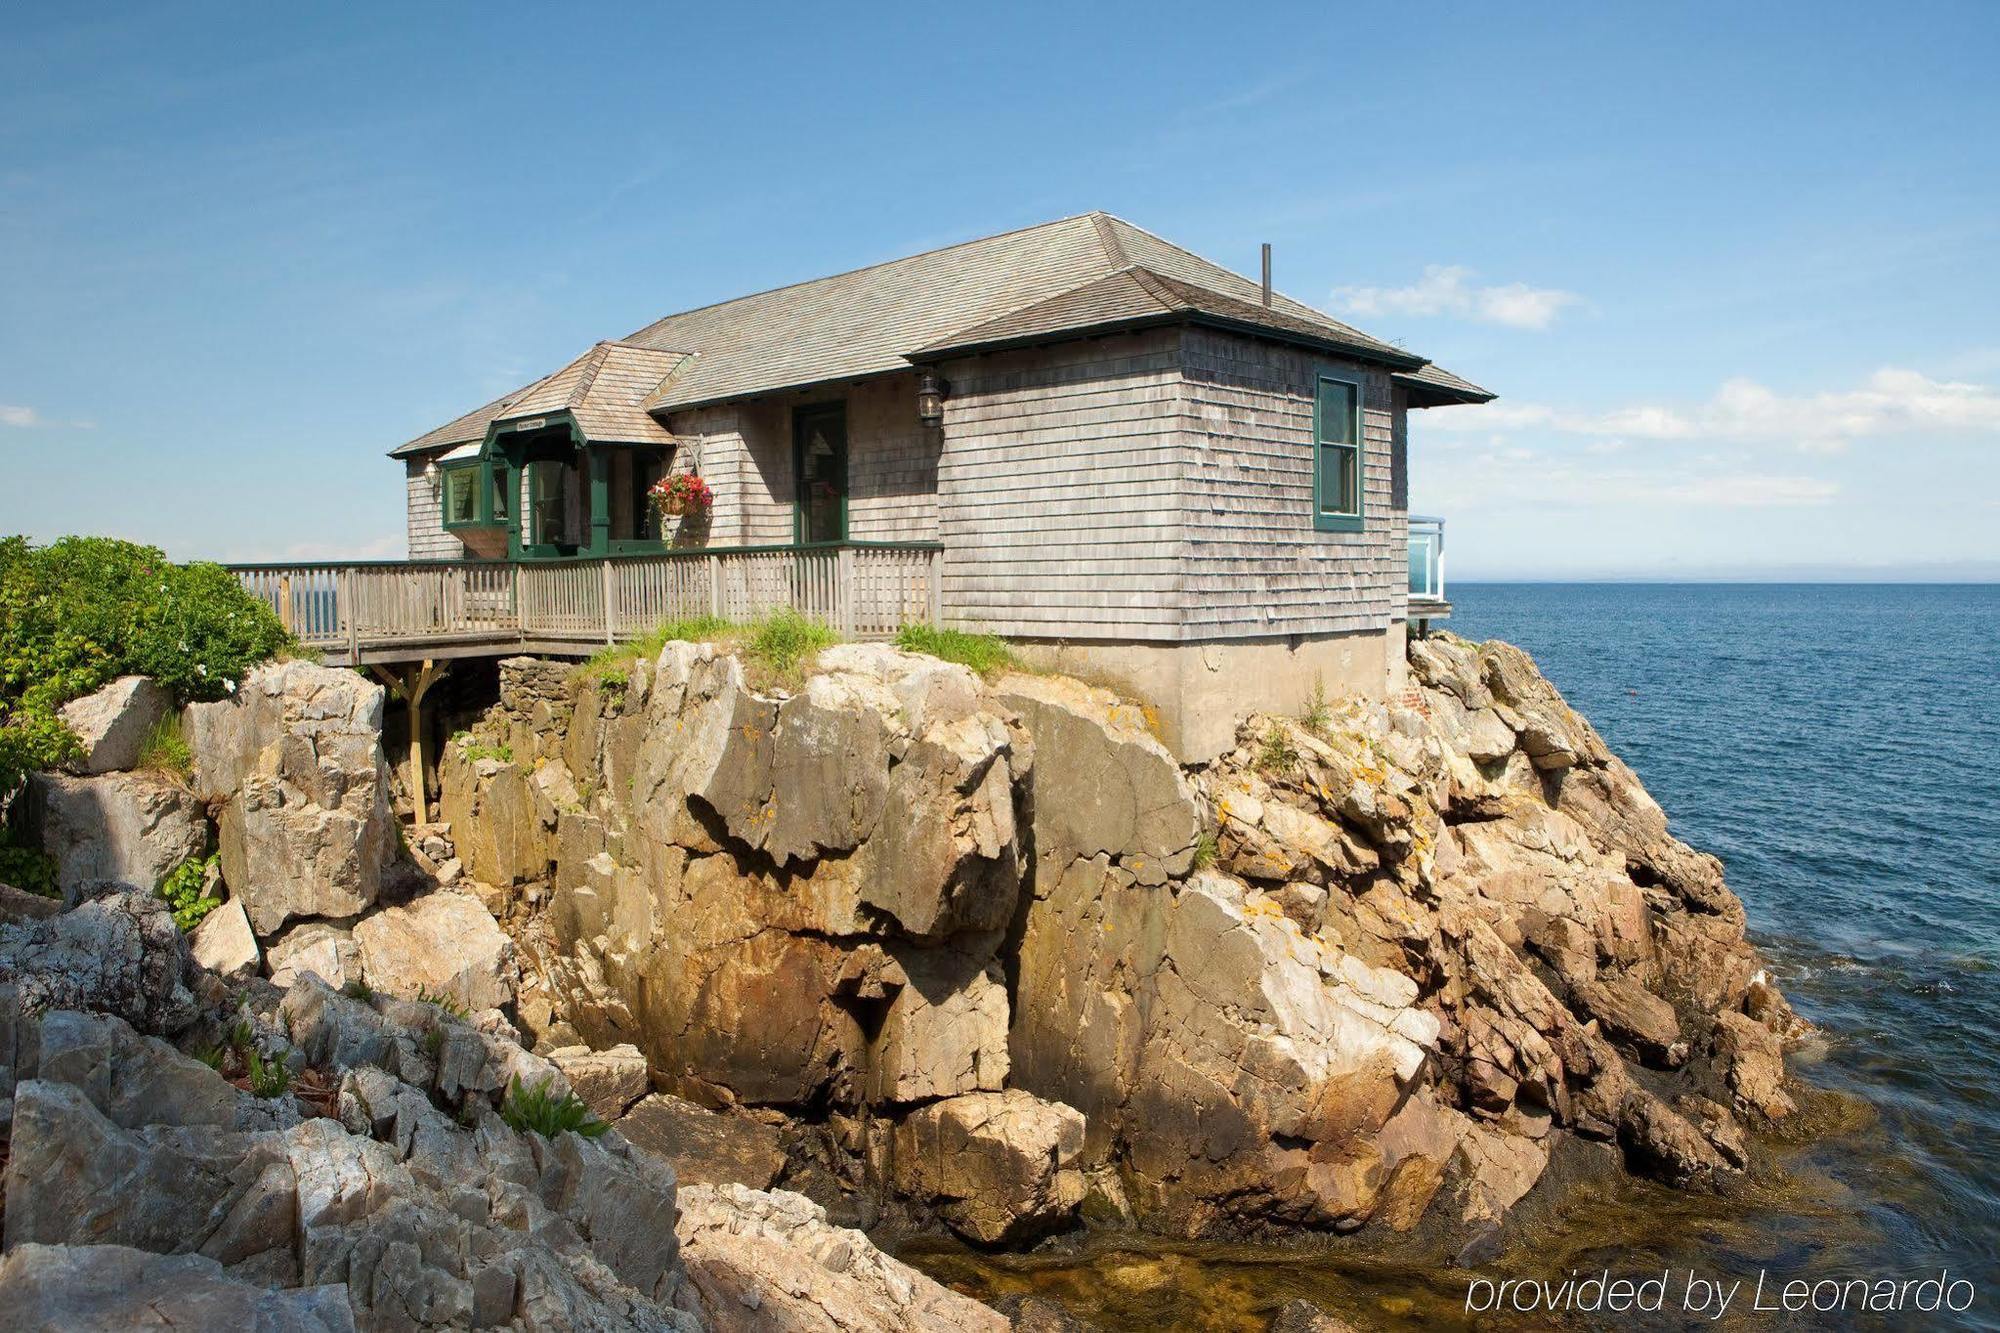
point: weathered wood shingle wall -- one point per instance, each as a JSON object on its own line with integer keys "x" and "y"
{"x": 892, "y": 464}
{"x": 427, "y": 538}
{"x": 1058, "y": 490}
{"x": 1158, "y": 487}
{"x": 1254, "y": 563}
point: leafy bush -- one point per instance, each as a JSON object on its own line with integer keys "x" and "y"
{"x": 181, "y": 887}
{"x": 784, "y": 638}
{"x": 538, "y": 1111}
{"x": 27, "y": 868}
{"x": 984, "y": 653}
{"x": 83, "y": 611}
{"x": 165, "y": 749}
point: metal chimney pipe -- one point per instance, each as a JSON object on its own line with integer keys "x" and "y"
{"x": 1267, "y": 275}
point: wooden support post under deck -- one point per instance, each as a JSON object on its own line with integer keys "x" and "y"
{"x": 411, "y": 686}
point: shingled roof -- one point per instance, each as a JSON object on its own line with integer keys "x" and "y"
{"x": 605, "y": 389}
{"x": 1066, "y": 277}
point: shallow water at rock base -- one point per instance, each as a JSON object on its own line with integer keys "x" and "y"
{"x": 1791, "y": 1216}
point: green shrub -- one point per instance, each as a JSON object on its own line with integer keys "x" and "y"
{"x": 538, "y": 1111}
{"x": 27, "y": 868}
{"x": 83, "y": 611}
{"x": 984, "y": 653}
{"x": 181, "y": 887}
{"x": 358, "y": 989}
{"x": 785, "y": 638}
{"x": 165, "y": 749}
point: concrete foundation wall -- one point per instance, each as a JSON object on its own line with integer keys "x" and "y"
{"x": 1196, "y": 694}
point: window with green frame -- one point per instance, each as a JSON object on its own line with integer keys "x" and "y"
{"x": 1337, "y": 459}
{"x": 500, "y": 485}
{"x": 461, "y": 495}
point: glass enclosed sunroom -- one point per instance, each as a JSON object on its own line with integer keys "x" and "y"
{"x": 540, "y": 488}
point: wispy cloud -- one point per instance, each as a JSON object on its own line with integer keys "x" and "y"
{"x": 1508, "y": 476}
{"x": 1889, "y": 402}
{"x": 25, "y": 417}
{"x": 1448, "y": 289}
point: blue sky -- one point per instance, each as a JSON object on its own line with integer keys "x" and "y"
{"x": 1733, "y": 269}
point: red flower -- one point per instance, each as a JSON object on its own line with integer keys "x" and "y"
{"x": 680, "y": 492}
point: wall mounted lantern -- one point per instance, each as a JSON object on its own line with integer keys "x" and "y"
{"x": 932, "y": 389}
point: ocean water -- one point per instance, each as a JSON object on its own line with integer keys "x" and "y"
{"x": 1839, "y": 748}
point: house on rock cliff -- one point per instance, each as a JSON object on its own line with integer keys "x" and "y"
{"x": 1078, "y": 435}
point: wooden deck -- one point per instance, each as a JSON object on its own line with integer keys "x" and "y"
{"x": 405, "y": 611}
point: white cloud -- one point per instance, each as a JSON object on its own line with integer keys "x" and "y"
{"x": 1446, "y": 289}
{"x": 1507, "y": 476}
{"x": 19, "y": 416}
{"x": 1889, "y": 402}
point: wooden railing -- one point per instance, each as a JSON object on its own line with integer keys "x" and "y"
{"x": 374, "y": 610}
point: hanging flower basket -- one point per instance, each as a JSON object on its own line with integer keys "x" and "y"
{"x": 681, "y": 493}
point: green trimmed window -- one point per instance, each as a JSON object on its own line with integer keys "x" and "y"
{"x": 501, "y": 484}
{"x": 1337, "y": 461}
{"x": 461, "y": 495}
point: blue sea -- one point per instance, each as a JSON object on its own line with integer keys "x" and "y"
{"x": 1838, "y": 746}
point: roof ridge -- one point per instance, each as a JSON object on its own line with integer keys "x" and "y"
{"x": 588, "y": 375}
{"x": 864, "y": 268}
{"x": 1107, "y": 237}
{"x": 1182, "y": 249}
{"x": 1159, "y": 286}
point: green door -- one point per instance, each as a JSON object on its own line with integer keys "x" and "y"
{"x": 819, "y": 454}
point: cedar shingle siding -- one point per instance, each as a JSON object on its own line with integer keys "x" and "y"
{"x": 1058, "y": 490}
{"x": 1254, "y": 565}
{"x": 1159, "y": 487}
{"x": 428, "y": 539}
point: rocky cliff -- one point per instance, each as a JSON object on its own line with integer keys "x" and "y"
{"x": 897, "y": 948}
{"x": 984, "y": 954}
{"x": 202, "y": 1132}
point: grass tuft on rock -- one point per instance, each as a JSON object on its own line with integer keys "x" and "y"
{"x": 1276, "y": 753}
{"x": 784, "y": 639}
{"x": 538, "y": 1110}
{"x": 984, "y": 653}
{"x": 165, "y": 749}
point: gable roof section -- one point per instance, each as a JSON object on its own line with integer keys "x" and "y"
{"x": 1138, "y": 296}
{"x": 1068, "y": 276}
{"x": 1431, "y": 385}
{"x": 605, "y": 389}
